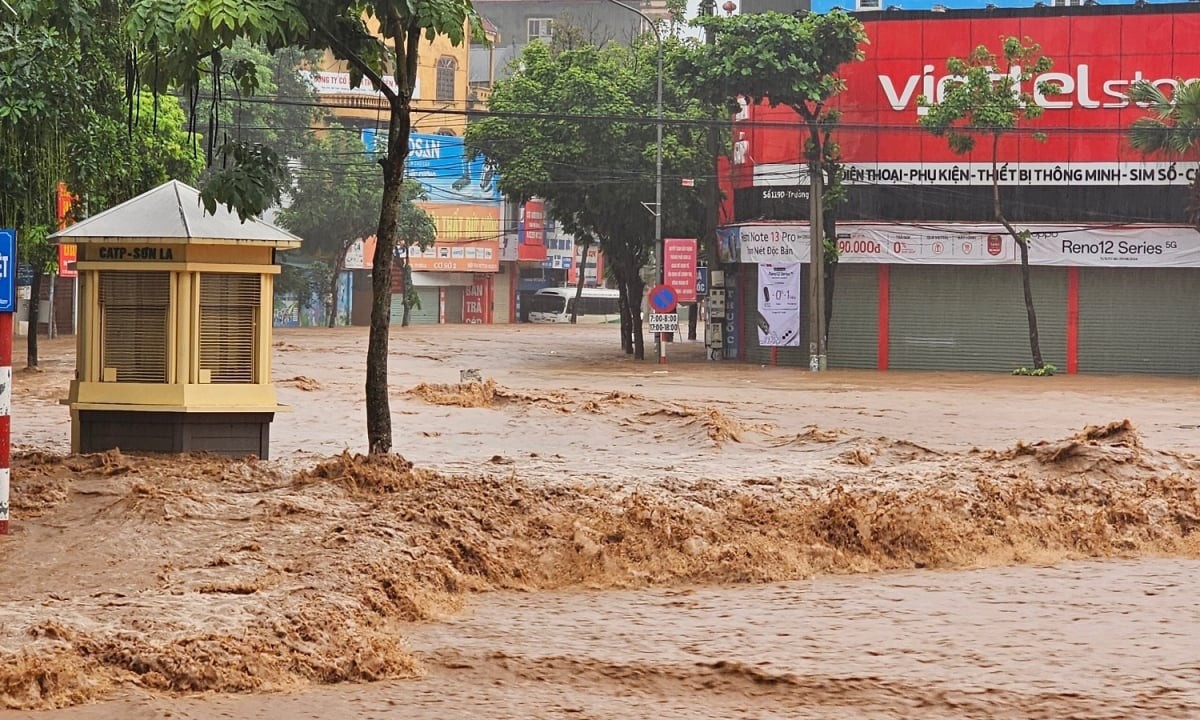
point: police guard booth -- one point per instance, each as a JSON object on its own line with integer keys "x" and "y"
{"x": 174, "y": 331}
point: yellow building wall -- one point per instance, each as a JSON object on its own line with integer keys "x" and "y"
{"x": 426, "y": 98}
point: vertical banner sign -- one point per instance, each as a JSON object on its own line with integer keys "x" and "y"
{"x": 477, "y": 300}
{"x": 532, "y": 231}
{"x": 68, "y": 254}
{"x": 679, "y": 267}
{"x": 778, "y": 317}
{"x": 8, "y": 303}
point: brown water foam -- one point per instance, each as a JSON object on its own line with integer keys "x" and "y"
{"x": 257, "y": 581}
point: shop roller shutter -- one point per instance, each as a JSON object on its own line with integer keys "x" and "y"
{"x": 427, "y": 314}
{"x": 854, "y": 329}
{"x": 503, "y": 298}
{"x": 228, "y": 325}
{"x": 954, "y": 317}
{"x": 134, "y": 308}
{"x": 1139, "y": 320}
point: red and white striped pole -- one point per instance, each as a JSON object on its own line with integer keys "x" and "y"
{"x": 6, "y": 375}
{"x": 8, "y": 303}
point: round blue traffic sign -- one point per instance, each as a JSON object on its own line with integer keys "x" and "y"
{"x": 662, "y": 298}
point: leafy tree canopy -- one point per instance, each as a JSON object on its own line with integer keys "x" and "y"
{"x": 1171, "y": 128}
{"x": 598, "y": 169}
{"x": 985, "y": 98}
{"x": 789, "y": 60}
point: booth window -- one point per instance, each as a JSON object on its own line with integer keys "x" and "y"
{"x": 134, "y": 307}
{"x": 228, "y": 318}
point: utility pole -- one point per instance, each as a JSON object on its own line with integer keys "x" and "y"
{"x": 708, "y": 8}
{"x": 816, "y": 264}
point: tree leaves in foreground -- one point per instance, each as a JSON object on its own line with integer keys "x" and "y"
{"x": 377, "y": 40}
{"x": 63, "y": 119}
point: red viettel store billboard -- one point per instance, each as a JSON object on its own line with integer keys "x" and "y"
{"x": 1085, "y": 169}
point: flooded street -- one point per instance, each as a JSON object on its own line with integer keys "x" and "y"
{"x": 585, "y": 536}
{"x": 1082, "y": 640}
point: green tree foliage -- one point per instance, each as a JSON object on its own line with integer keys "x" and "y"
{"x": 334, "y": 201}
{"x": 414, "y": 227}
{"x": 986, "y": 100}
{"x": 62, "y": 119}
{"x": 596, "y": 171}
{"x": 793, "y": 61}
{"x": 1171, "y": 128}
{"x": 175, "y": 39}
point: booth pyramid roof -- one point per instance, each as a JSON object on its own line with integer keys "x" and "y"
{"x": 172, "y": 212}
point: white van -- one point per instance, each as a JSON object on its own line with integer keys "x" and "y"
{"x": 596, "y": 305}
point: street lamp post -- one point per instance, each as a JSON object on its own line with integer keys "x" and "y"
{"x": 658, "y": 175}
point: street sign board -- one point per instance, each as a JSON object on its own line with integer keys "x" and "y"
{"x": 679, "y": 267}
{"x": 664, "y": 323}
{"x": 701, "y": 281}
{"x": 662, "y": 298}
{"x": 8, "y": 270}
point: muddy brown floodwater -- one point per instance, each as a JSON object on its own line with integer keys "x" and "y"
{"x": 584, "y": 536}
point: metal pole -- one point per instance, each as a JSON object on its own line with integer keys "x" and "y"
{"x": 658, "y": 174}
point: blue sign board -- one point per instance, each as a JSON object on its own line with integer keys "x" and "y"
{"x": 8, "y": 270}
{"x": 701, "y": 281}
{"x": 443, "y": 166}
{"x": 662, "y": 298}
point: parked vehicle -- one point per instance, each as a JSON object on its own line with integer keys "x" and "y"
{"x": 554, "y": 305}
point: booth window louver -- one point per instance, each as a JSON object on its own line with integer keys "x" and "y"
{"x": 134, "y": 310}
{"x": 228, "y": 314}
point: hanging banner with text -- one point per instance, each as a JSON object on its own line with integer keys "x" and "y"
{"x": 778, "y": 317}
{"x": 679, "y": 267}
{"x": 978, "y": 244}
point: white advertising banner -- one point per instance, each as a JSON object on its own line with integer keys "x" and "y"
{"x": 901, "y": 244}
{"x": 1115, "y": 247}
{"x": 961, "y": 174}
{"x": 779, "y": 305}
{"x": 1028, "y": 173}
{"x": 979, "y": 244}
{"x": 771, "y": 243}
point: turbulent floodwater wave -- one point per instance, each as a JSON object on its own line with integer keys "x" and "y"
{"x": 233, "y": 576}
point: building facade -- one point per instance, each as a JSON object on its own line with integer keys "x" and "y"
{"x": 519, "y": 22}
{"x": 926, "y": 279}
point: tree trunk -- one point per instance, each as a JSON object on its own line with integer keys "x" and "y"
{"x": 693, "y": 318}
{"x": 635, "y": 289}
{"x": 586, "y": 246}
{"x": 35, "y": 301}
{"x": 406, "y": 292}
{"x": 626, "y": 313}
{"x": 1035, "y": 345}
{"x": 379, "y": 414}
{"x": 831, "y": 265}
